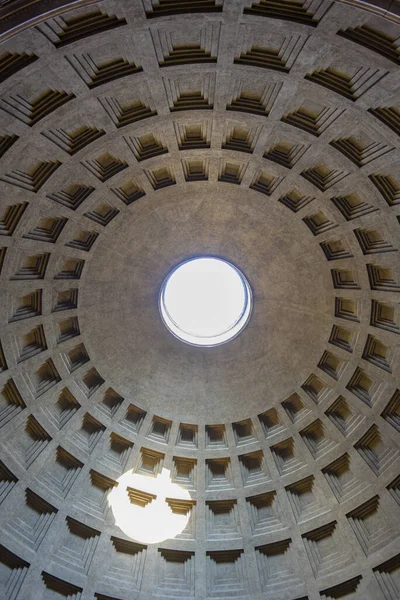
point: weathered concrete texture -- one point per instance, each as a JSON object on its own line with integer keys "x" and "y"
{"x": 287, "y": 438}
{"x": 292, "y": 305}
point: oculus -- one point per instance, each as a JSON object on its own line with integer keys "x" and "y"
{"x": 205, "y": 301}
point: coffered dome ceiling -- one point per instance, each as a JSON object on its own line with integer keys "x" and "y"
{"x": 133, "y": 136}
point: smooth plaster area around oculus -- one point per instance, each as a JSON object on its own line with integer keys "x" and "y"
{"x": 287, "y": 332}
{"x": 135, "y": 134}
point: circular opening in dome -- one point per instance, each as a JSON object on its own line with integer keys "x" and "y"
{"x": 205, "y": 301}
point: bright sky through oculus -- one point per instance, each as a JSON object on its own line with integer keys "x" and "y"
{"x": 205, "y": 301}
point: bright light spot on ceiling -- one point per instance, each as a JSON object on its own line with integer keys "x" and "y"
{"x": 205, "y": 301}
{"x": 150, "y": 509}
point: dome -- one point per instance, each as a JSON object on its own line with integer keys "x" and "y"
{"x": 136, "y": 464}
